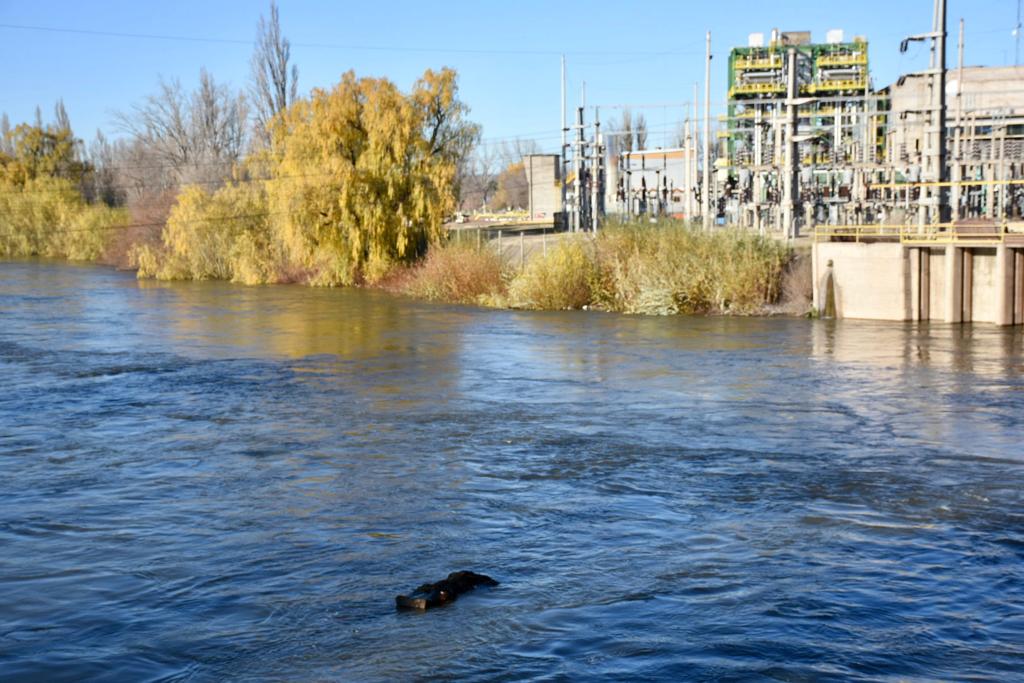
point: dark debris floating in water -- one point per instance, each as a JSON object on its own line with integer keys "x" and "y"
{"x": 444, "y": 591}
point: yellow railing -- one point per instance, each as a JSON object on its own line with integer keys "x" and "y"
{"x": 852, "y": 84}
{"x": 843, "y": 60}
{"x": 772, "y": 62}
{"x": 937, "y": 233}
{"x": 502, "y": 216}
{"x": 946, "y": 183}
{"x": 953, "y": 236}
{"x": 756, "y": 89}
{"x": 824, "y": 233}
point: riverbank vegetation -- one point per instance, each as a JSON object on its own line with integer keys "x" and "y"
{"x": 349, "y": 185}
{"x": 42, "y": 210}
{"x": 662, "y": 269}
{"x": 335, "y": 188}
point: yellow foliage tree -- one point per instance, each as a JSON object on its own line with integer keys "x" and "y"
{"x": 42, "y": 211}
{"x": 512, "y": 188}
{"x": 223, "y": 235}
{"x": 364, "y": 175}
{"x": 48, "y": 217}
{"x": 40, "y": 152}
{"x": 356, "y": 179}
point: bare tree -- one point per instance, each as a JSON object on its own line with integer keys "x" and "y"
{"x": 515, "y": 151}
{"x": 641, "y": 132}
{"x": 217, "y": 121}
{"x": 626, "y": 139}
{"x": 478, "y": 177}
{"x": 274, "y": 83}
{"x": 102, "y": 182}
{"x": 6, "y": 144}
{"x": 161, "y": 125}
{"x": 60, "y": 117}
{"x": 196, "y": 137}
{"x": 679, "y": 140}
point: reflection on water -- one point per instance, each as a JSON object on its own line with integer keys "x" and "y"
{"x": 204, "y": 481}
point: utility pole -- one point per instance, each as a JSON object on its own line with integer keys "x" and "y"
{"x": 958, "y": 153}
{"x": 693, "y": 153}
{"x": 577, "y": 182}
{"x": 935, "y": 166}
{"x": 687, "y": 142}
{"x": 790, "y": 177}
{"x": 940, "y": 45}
{"x": 1016, "y": 35}
{"x": 706, "y": 190}
{"x": 595, "y": 172}
{"x": 565, "y": 147}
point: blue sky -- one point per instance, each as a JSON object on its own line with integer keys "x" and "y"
{"x": 506, "y": 53}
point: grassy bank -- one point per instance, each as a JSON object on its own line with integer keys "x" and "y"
{"x": 660, "y": 269}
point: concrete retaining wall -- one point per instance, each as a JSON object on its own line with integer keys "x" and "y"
{"x": 871, "y": 280}
{"x": 887, "y": 281}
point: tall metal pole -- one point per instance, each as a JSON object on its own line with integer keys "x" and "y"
{"x": 958, "y": 153}
{"x": 595, "y": 171}
{"x": 577, "y": 182}
{"x": 1016, "y": 34}
{"x": 790, "y": 178}
{"x": 706, "y": 190}
{"x": 940, "y": 42}
{"x": 565, "y": 146}
{"x": 693, "y": 149}
{"x": 687, "y": 142}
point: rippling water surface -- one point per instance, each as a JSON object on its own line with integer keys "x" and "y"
{"x": 201, "y": 481}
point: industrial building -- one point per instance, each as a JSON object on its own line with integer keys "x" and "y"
{"x": 913, "y": 193}
{"x": 807, "y": 140}
{"x": 654, "y": 182}
{"x": 984, "y": 140}
{"x": 803, "y": 135}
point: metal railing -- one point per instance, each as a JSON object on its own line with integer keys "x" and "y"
{"x": 772, "y": 62}
{"x": 843, "y": 60}
{"x": 937, "y": 233}
{"x": 848, "y": 84}
{"x": 826, "y": 233}
{"x": 756, "y": 88}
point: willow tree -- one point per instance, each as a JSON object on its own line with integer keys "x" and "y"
{"x": 42, "y": 210}
{"x": 40, "y": 151}
{"x": 363, "y": 175}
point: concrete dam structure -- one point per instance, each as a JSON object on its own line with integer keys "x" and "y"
{"x": 970, "y": 279}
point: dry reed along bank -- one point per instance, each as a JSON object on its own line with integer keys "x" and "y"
{"x": 665, "y": 268}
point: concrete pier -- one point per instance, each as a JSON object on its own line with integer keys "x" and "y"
{"x": 1004, "y": 286}
{"x": 953, "y": 300}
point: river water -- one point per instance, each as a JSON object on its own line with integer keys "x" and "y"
{"x": 201, "y": 481}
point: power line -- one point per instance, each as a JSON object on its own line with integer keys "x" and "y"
{"x": 127, "y": 226}
{"x": 663, "y": 128}
{"x": 338, "y": 46}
